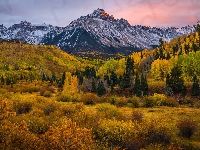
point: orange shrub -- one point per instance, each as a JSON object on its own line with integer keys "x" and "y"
{"x": 89, "y": 98}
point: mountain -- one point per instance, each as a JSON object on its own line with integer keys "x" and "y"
{"x": 96, "y": 32}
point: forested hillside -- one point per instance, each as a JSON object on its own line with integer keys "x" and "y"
{"x": 53, "y": 100}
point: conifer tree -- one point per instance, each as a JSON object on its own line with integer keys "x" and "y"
{"x": 106, "y": 78}
{"x": 195, "y": 86}
{"x": 129, "y": 72}
{"x": 144, "y": 85}
{"x": 176, "y": 81}
{"x": 2, "y": 80}
{"x": 43, "y": 77}
{"x": 137, "y": 86}
{"x": 121, "y": 82}
{"x": 93, "y": 86}
{"x": 63, "y": 78}
{"x": 113, "y": 78}
{"x": 198, "y": 31}
{"x": 101, "y": 89}
{"x": 168, "y": 90}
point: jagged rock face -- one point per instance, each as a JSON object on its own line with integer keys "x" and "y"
{"x": 98, "y": 31}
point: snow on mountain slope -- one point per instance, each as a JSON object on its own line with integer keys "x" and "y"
{"x": 98, "y": 31}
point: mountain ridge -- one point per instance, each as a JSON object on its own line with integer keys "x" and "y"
{"x": 98, "y": 32}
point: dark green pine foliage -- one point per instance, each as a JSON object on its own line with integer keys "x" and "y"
{"x": 144, "y": 85}
{"x": 80, "y": 79}
{"x": 90, "y": 72}
{"x": 121, "y": 82}
{"x": 111, "y": 87}
{"x": 113, "y": 78}
{"x": 129, "y": 72}
{"x": 63, "y": 78}
{"x": 101, "y": 89}
{"x": 106, "y": 78}
{"x": 198, "y": 30}
{"x": 53, "y": 77}
{"x": 93, "y": 86}
{"x": 168, "y": 88}
{"x": 2, "y": 80}
{"x": 161, "y": 49}
{"x": 43, "y": 77}
{"x": 137, "y": 86}
{"x": 195, "y": 86}
{"x": 176, "y": 81}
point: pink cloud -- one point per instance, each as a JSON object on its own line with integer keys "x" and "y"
{"x": 161, "y": 13}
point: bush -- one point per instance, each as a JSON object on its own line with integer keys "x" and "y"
{"x": 63, "y": 98}
{"x": 149, "y": 101}
{"x": 107, "y": 110}
{"x": 121, "y": 101}
{"x": 24, "y": 107}
{"x": 48, "y": 90}
{"x": 47, "y": 94}
{"x": 135, "y": 101}
{"x": 89, "y": 98}
{"x": 49, "y": 108}
{"x": 37, "y": 125}
{"x": 137, "y": 115}
{"x": 187, "y": 127}
{"x": 169, "y": 101}
{"x": 113, "y": 133}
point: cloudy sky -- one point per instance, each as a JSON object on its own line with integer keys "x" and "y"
{"x": 158, "y": 13}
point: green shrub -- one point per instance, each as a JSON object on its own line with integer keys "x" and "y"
{"x": 113, "y": 133}
{"x": 107, "y": 110}
{"x": 47, "y": 94}
{"x": 24, "y": 107}
{"x": 149, "y": 101}
{"x": 135, "y": 101}
{"x": 187, "y": 127}
{"x": 121, "y": 101}
{"x": 112, "y": 100}
{"x": 37, "y": 125}
{"x": 63, "y": 98}
{"x": 169, "y": 101}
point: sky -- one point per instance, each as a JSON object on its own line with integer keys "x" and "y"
{"x": 159, "y": 13}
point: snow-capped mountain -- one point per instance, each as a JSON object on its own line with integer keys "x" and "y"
{"x": 26, "y": 32}
{"x": 98, "y": 31}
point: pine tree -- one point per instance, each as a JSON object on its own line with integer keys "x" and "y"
{"x": 106, "y": 78}
{"x": 144, "y": 85}
{"x": 113, "y": 78}
{"x": 53, "y": 77}
{"x": 168, "y": 89}
{"x": 198, "y": 31}
{"x": 2, "y": 80}
{"x": 63, "y": 78}
{"x": 93, "y": 86}
{"x": 137, "y": 86}
{"x": 195, "y": 86}
{"x": 121, "y": 82}
{"x": 101, "y": 89}
{"x": 129, "y": 72}
{"x": 176, "y": 81}
{"x": 43, "y": 77}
